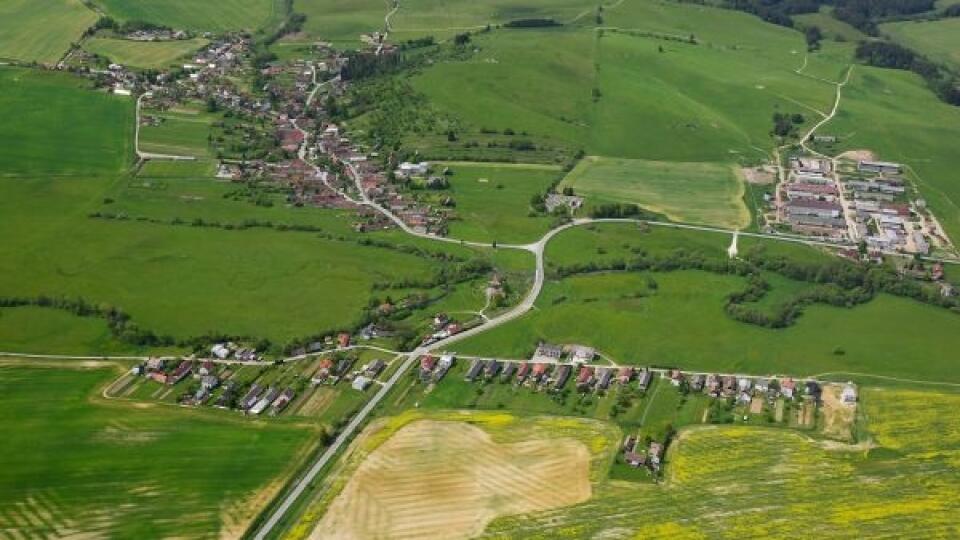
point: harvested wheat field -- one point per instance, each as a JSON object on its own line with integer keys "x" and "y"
{"x": 436, "y": 479}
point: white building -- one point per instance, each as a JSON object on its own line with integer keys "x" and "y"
{"x": 360, "y": 383}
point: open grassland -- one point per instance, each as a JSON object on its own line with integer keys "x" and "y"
{"x": 48, "y": 331}
{"x": 703, "y": 193}
{"x": 443, "y": 18}
{"x": 54, "y": 125}
{"x": 637, "y": 88}
{"x": 185, "y": 280}
{"x": 76, "y": 465}
{"x": 736, "y": 482}
{"x": 144, "y": 54}
{"x": 182, "y": 133}
{"x": 41, "y": 30}
{"x": 493, "y": 202}
{"x": 341, "y": 21}
{"x": 939, "y": 40}
{"x": 220, "y": 16}
{"x": 831, "y": 27}
{"x": 894, "y": 114}
{"x": 678, "y": 318}
{"x": 446, "y": 474}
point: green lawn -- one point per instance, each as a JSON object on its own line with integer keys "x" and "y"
{"x": 681, "y": 322}
{"x": 78, "y": 465}
{"x": 342, "y": 21}
{"x": 702, "y": 193}
{"x": 493, "y": 202}
{"x": 144, "y": 54}
{"x": 48, "y": 331}
{"x": 183, "y": 133}
{"x": 185, "y": 280}
{"x": 223, "y": 16}
{"x": 54, "y": 125}
{"x": 939, "y": 40}
{"x": 41, "y": 30}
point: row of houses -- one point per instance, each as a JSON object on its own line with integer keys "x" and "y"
{"x": 745, "y": 388}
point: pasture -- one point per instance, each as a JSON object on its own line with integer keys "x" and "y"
{"x": 41, "y": 30}
{"x": 680, "y": 320}
{"x": 493, "y": 201}
{"x": 701, "y": 193}
{"x": 938, "y": 40}
{"x": 224, "y": 16}
{"x": 341, "y": 22}
{"x": 143, "y": 54}
{"x": 182, "y": 132}
{"x": 70, "y": 443}
{"x": 55, "y": 125}
{"x": 48, "y": 331}
{"x": 185, "y": 280}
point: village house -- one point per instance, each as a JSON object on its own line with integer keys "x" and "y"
{"x": 581, "y": 354}
{"x": 643, "y": 379}
{"x": 491, "y": 369}
{"x": 788, "y": 387}
{"x": 585, "y": 378}
{"x": 509, "y": 369}
{"x": 561, "y": 375}
{"x": 360, "y": 383}
{"x": 604, "y": 376}
{"x": 268, "y": 397}
{"x": 281, "y": 403}
{"x": 443, "y": 366}
{"x": 849, "y": 394}
{"x": 476, "y": 366}
{"x": 538, "y": 373}
{"x": 427, "y": 364}
{"x": 625, "y": 374}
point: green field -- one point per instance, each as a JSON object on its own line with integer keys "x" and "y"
{"x": 182, "y": 132}
{"x": 342, "y": 21}
{"x": 702, "y": 193}
{"x": 222, "y": 16}
{"x": 143, "y": 54}
{"x": 186, "y": 280}
{"x": 831, "y": 27}
{"x": 48, "y": 331}
{"x": 41, "y": 30}
{"x": 938, "y": 40}
{"x": 681, "y": 321}
{"x": 54, "y": 125}
{"x": 493, "y": 202}
{"x": 82, "y": 466}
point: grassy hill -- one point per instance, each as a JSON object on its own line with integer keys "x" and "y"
{"x": 55, "y": 125}
{"x": 41, "y": 30}
{"x": 227, "y": 15}
{"x": 938, "y": 40}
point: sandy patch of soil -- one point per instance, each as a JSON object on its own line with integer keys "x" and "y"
{"x": 439, "y": 480}
{"x": 857, "y": 155}
{"x": 838, "y": 417}
{"x": 758, "y": 175}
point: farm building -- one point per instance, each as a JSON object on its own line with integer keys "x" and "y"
{"x": 360, "y": 383}
{"x": 547, "y": 353}
{"x": 880, "y": 167}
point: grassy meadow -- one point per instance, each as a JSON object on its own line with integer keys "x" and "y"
{"x": 76, "y": 465}
{"x": 702, "y": 193}
{"x": 143, "y": 54}
{"x": 493, "y": 201}
{"x": 678, "y": 318}
{"x": 41, "y": 30}
{"x": 55, "y": 125}
{"x": 182, "y": 132}
{"x": 184, "y": 280}
{"x": 228, "y": 15}
{"x": 341, "y": 22}
{"x": 938, "y": 40}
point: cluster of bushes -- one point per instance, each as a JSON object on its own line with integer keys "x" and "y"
{"x": 618, "y": 211}
{"x": 863, "y": 14}
{"x": 532, "y": 23}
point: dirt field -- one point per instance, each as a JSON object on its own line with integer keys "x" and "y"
{"x": 318, "y": 402}
{"x": 838, "y": 417}
{"x": 437, "y": 480}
